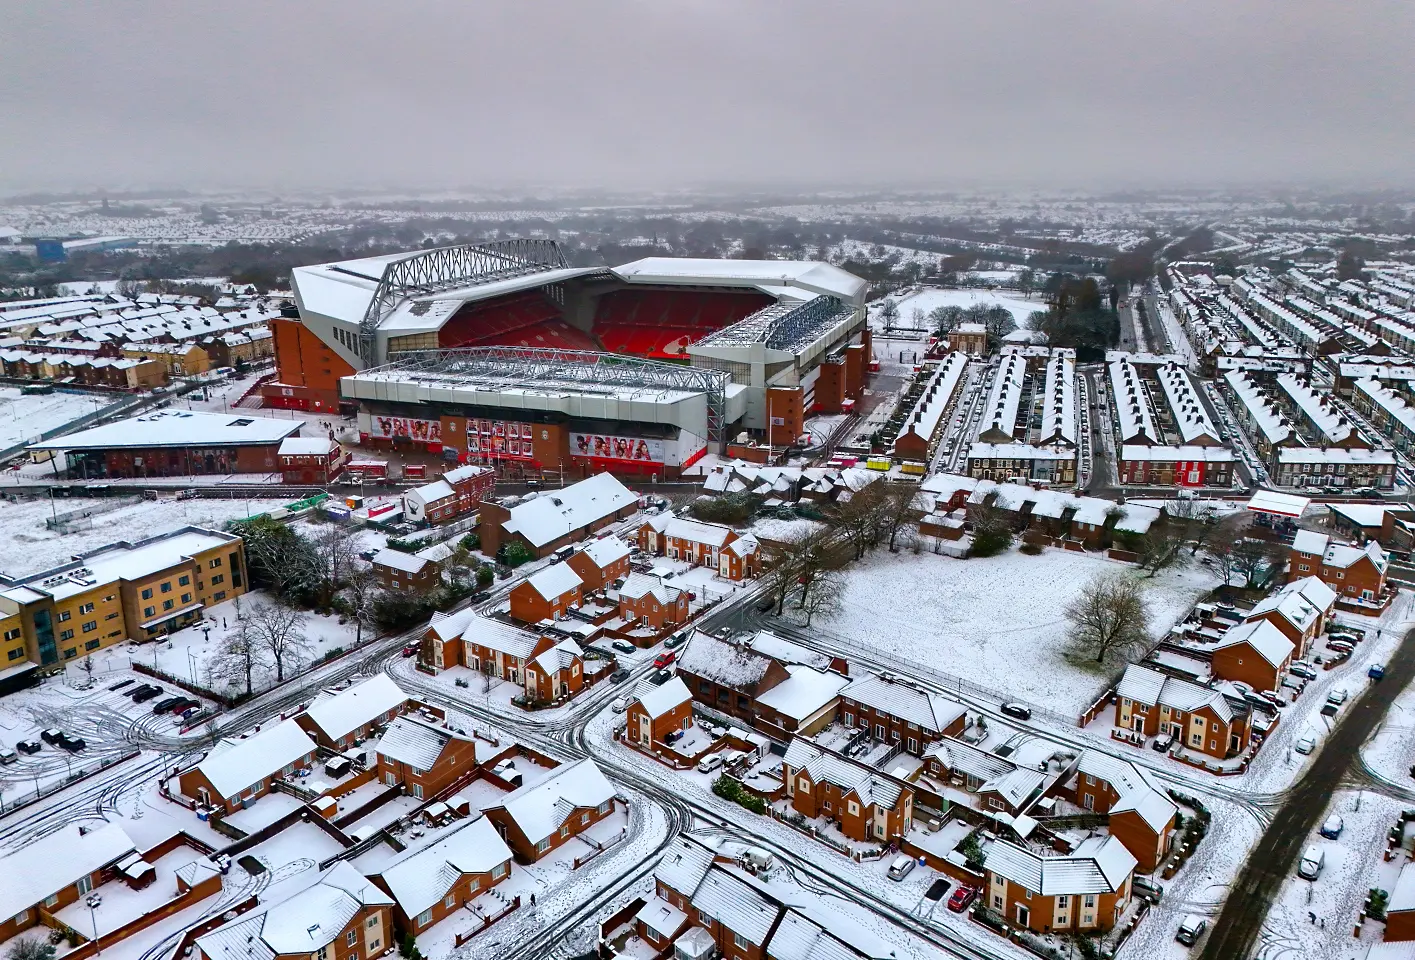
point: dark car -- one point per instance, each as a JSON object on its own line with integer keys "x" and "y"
{"x": 184, "y": 704}
{"x": 619, "y": 676}
{"x": 139, "y": 691}
{"x": 961, "y": 898}
{"x": 28, "y": 746}
{"x": 148, "y": 694}
{"x": 659, "y": 677}
{"x": 480, "y": 595}
{"x": 52, "y": 736}
{"x": 677, "y": 640}
{"x": 165, "y": 705}
{"x": 1017, "y": 711}
{"x": 72, "y": 744}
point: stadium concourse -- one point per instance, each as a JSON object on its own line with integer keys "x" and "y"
{"x": 503, "y": 353}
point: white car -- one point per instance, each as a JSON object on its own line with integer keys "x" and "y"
{"x": 1337, "y": 696}
{"x": 710, "y": 763}
{"x": 620, "y": 704}
{"x": 1305, "y": 744}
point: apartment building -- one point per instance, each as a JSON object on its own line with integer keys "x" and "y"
{"x": 1355, "y": 573}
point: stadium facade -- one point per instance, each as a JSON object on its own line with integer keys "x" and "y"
{"x": 502, "y": 351}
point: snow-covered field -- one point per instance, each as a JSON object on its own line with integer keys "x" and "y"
{"x": 28, "y": 546}
{"x": 929, "y": 300}
{"x": 24, "y": 418}
{"x": 996, "y": 621}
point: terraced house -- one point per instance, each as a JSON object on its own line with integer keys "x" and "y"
{"x": 1198, "y": 717}
{"x": 1084, "y": 891}
{"x": 896, "y": 711}
{"x": 867, "y": 806}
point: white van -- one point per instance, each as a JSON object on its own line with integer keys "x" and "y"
{"x": 1310, "y": 866}
{"x": 759, "y": 859}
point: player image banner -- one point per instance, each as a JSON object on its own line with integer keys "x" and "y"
{"x": 629, "y": 449}
{"x": 423, "y": 431}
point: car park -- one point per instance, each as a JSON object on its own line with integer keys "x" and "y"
{"x": 1312, "y": 862}
{"x": 1017, "y": 711}
{"x": 1332, "y": 826}
{"x": 147, "y": 695}
{"x": 138, "y": 691}
{"x": 901, "y": 867}
{"x": 1305, "y": 744}
{"x": 1191, "y": 928}
{"x": 28, "y": 746}
{"x": 961, "y": 899}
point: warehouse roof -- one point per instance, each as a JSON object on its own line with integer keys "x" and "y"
{"x": 178, "y": 428}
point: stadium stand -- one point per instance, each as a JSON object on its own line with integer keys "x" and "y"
{"x": 661, "y": 323}
{"x": 497, "y": 321}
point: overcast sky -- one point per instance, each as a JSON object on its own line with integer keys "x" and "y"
{"x": 661, "y": 93}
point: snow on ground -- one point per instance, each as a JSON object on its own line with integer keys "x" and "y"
{"x": 979, "y": 619}
{"x": 929, "y": 300}
{"x": 26, "y": 417}
{"x": 770, "y": 528}
{"x": 28, "y": 546}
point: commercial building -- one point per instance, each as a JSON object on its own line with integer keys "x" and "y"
{"x": 311, "y": 460}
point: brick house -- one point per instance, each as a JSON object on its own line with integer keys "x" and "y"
{"x": 1301, "y": 610}
{"x": 1084, "y": 891}
{"x": 546, "y": 594}
{"x": 1141, "y": 815}
{"x": 601, "y": 562}
{"x": 556, "y": 669}
{"x": 401, "y": 571}
{"x": 238, "y": 772}
{"x": 540, "y": 816}
{"x": 46, "y": 875}
{"x": 1355, "y": 573}
{"x": 432, "y": 883}
{"x": 1256, "y": 653}
{"x": 336, "y": 915}
{"x": 652, "y": 601}
{"x": 311, "y": 460}
{"x": 699, "y": 543}
{"x": 544, "y": 667}
{"x": 555, "y": 518}
{"x": 337, "y": 720}
{"x": 736, "y": 676}
{"x": 658, "y": 711}
{"x": 867, "y": 806}
{"x": 423, "y": 757}
{"x": 1400, "y": 910}
{"x": 1200, "y": 718}
{"x": 998, "y": 784}
{"x": 896, "y": 711}
{"x": 455, "y": 495}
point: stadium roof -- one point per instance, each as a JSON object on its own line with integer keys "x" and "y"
{"x": 794, "y": 279}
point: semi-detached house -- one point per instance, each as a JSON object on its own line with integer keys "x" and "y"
{"x": 866, "y": 805}
{"x": 1256, "y": 653}
{"x": 734, "y": 556}
{"x": 652, "y": 601}
{"x": 543, "y": 814}
{"x": 1140, "y": 814}
{"x": 431, "y": 883}
{"x": 1199, "y": 718}
{"x": 1301, "y": 610}
{"x": 546, "y": 594}
{"x": 424, "y": 757}
{"x": 546, "y": 521}
{"x": 545, "y": 667}
{"x": 1355, "y": 573}
{"x": 236, "y": 773}
{"x": 659, "y": 711}
{"x": 764, "y": 680}
{"x": 336, "y": 720}
{"x": 1084, "y": 891}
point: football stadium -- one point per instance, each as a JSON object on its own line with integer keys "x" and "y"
{"x": 503, "y": 352}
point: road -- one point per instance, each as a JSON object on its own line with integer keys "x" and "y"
{"x": 1274, "y": 858}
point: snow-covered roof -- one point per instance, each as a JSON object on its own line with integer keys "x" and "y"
{"x": 553, "y": 514}
{"x": 399, "y": 560}
{"x": 1310, "y": 541}
{"x": 420, "y": 878}
{"x": 1267, "y": 641}
{"x": 177, "y": 428}
{"x": 804, "y": 693}
{"x": 1367, "y": 514}
{"x": 1132, "y": 403}
{"x": 1190, "y": 415}
{"x": 562, "y": 656}
{"x": 806, "y": 278}
{"x": 1150, "y": 687}
{"x": 498, "y": 636}
{"x": 656, "y": 701}
{"x": 43, "y": 867}
{"x": 1135, "y": 789}
{"x": 737, "y": 905}
{"x": 939, "y": 388}
{"x": 539, "y": 808}
{"x": 1258, "y": 408}
{"x": 1000, "y": 412}
{"x": 786, "y": 651}
{"x": 339, "y": 714}
{"x": 554, "y": 581}
{"x": 683, "y": 866}
{"x": 125, "y": 561}
{"x": 1335, "y": 455}
{"x": 1138, "y": 453}
{"x": 639, "y": 585}
{"x": 234, "y": 765}
{"x": 1320, "y": 410}
{"x": 697, "y": 531}
{"x": 431, "y": 492}
{"x": 606, "y": 551}
{"x": 1282, "y": 504}
{"x": 846, "y": 774}
{"x": 904, "y": 700}
{"x": 1300, "y": 602}
{"x": 662, "y": 917}
{"x": 1059, "y": 401}
{"x": 467, "y": 472}
{"x": 1137, "y": 518}
{"x": 1097, "y": 865}
{"x": 302, "y": 923}
{"x": 306, "y": 446}
{"x": 1402, "y": 897}
{"x": 414, "y": 741}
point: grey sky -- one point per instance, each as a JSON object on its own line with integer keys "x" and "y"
{"x": 663, "y": 94}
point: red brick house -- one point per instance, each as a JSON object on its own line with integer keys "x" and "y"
{"x": 867, "y": 806}
{"x": 311, "y": 460}
{"x": 56, "y": 870}
{"x": 455, "y": 495}
{"x": 546, "y": 594}
{"x": 1199, "y": 718}
{"x": 652, "y": 601}
{"x": 544, "y": 667}
{"x": 699, "y": 543}
{"x": 239, "y": 771}
{"x": 431, "y": 883}
{"x": 1084, "y": 891}
{"x": 1256, "y": 653}
{"x": 337, "y": 720}
{"x": 1355, "y": 573}
{"x": 1301, "y": 610}
{"x": 542, "y": 815}
{"x": 551, "y": 519}
{"x": 751, "y": 678}
{"x": 1400, "y": 911}
{"x": 896, "y": 711}
{"x": 997, "y": 783}
{"x": 401, "y": 571}
{"x": 423, "y": 757}
{"x": 1141, "y": 815}
{"x": 601, "y": 562}
{"x": 658, "y": 711}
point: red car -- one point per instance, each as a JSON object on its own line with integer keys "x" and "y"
{"x": 411, "y": 650}
{"x": 664, "y": 659}
{"x": 961, "y": 898}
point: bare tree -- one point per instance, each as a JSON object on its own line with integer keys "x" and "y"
{"x": 1252, "y": 557}
{"x": 459, "y": 563}
{"x": 279, "y": 629}
{"x": 900, "y": 508}
{"x": 239, "y": 656}
{"x": 335, "y": 547}
{"x": 1196, "y": 520}
{"x": 824, "y": 600}
{"x": 361, "y": 589}
{"x": 1108, "y": 616}
{"x": 858, "y": 518}
{"x": 889, "y": 313}
{"x": 1162, "y": 547}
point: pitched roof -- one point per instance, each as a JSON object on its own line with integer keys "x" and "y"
{"x": 1098, "y": 865}
{"x": 339, "y": 714}
{"x": 804, "y": 692}
{"x": 233, "y": 765}
{"x": 737, "y": 905}
{"x": 845, "y": 774}
{"x": 683, "y": 866}
{"x": 552, "y": 515}
{"x": 904, "y": 700}
{"x": 1151, "y": 687}
{"x": 657, "y": 701}
{"x": 1136, "y": 790}
{"x": 420, "y": 878}
{"x": 554, "y": 581}
{"x": 539, "y": 808}
{"x": 638, "y": 585}
{"x": 606, "y": 550}
{"x": 1268, "y": 641}
{"x": 45, "y": 866}
{"x": 726, "y": 663}
{"x": 398, "y": 560}
{"x": 698, "y": 531}
{"x": 415, "y": 741}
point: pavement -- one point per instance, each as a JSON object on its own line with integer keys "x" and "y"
{"x": 1274, "y": 858}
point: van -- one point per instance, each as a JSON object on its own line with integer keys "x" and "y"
{"x": 1147, "y": 888}
{"x": 901, "y": 867}
{"x": 1191, "y": 928}
{"x": 563, "y": 554}
{"x": 758, "y": 859}
{"x": 1310, "y": 866}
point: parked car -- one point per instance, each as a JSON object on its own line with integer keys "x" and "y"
{"x": 186, "y": 705}
{"x": 479, "y": 596}
{"x": 1337, "y": 696}
{"x": 659, "y": 677}
{"x": 624, "y": 646}
{"x": 1018, "y": 711}
{"x": 147, "y": 695}
{"x": 1147, "y": 888}
{"x": 1332, "y": 826}
{"x": 72, "y": 744}
{"x": 1313, "y": 859}
{"x": 677, "y": 640}
{"x": 961, "y": 899}
{"x": 188, "y": 717}
{"x": 1303, "y": 669}
{"x": 503, "y": 768}
{"x": 1341, "y": 646}
{"x": 1305, "y": 744}
{"x": 28, "y": 746}
{"x": 901, "y": 867}
{"x": 620, "y": 704}
{"x": 1376, "y": 672}
{"x": 664, "y": 659}
{"x": 1163, "y": 742}
{"x": 8, "y": 756}
{"x": 52, "y": 736}
{"x": 139, "y": 691}
{"x": 165, "y": 705}
{"x": 710, "y": 763}
{"x": 619, "y": 676}
{"x": 1191, "y": 928}
{"x": 410, "y": 649}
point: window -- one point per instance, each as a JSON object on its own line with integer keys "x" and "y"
{"x": 186, "y": 598}
{"x": 215, "y": 562}
{"x": 148, "y": 611}
{"x": 372, "y": 922}
{"x": 584, "y": 819}
{"x": 1061, "y": 901}
{"x": 564, "y": 830}
{"x": 86, "y": 608}
{"x": 218, "y": 596}
{"x": 52, "y": 899}
{"x": 739, "y": 941}
{"x": 22, "y": 917}
{"x": 352, "y": 938}
{"x": 604, "y": 807}
{"x": 12, "y": 634}
{"x": 1090, "y": 900}
{"x": 184, "y": 580}
{"x": 167, "y": 604}
{"x": 63, "y": 616}
{"x": 704, "y": 917}
{"x": 90, "y": 626}
{"x": 84, "y": 885}
{"x": 219, "y": 578}
{"x": 418, "y": 790}
{"x": 66, "y": 634}
{"x": 543, "y": 846}
{"x": 92, "y": 644}
{"x": 499, "y": 871}
{"x": 849, "y": 719}
{"x": 167, "y": 586}
{"x": 147, "y": 594}
{"x": 111, "y": 616}
{"x": 16, "y": 653}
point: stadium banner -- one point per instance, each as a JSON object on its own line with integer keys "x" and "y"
{"x": 625, "y": 449}
{"x": 388, "y": 428}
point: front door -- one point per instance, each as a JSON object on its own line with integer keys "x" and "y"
{"x": 1023, "y": 915}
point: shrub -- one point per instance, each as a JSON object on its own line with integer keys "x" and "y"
{"x": 1030, "y": 549}
{"x": 729, "y": 789}
{"x": 515, "y": 554}
{"x": 485, "y": 574}
{"x": 471, "y": 541}
{"x": 1376, "y": 903}
{"x": 399, "y": 610}
{"x": 990, "y": 541}
{"x": 402, "y": 546}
